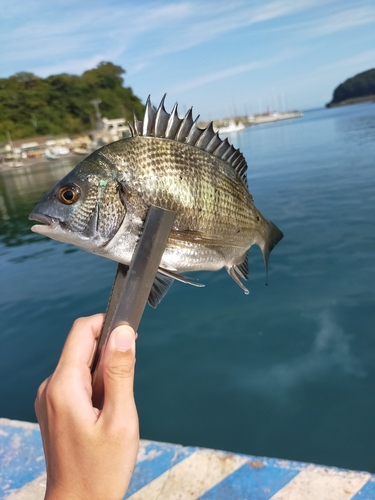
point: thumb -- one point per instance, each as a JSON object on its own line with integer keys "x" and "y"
{"x": 118, "y": 371}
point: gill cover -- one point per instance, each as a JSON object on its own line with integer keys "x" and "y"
{"x": 86, "y": 207}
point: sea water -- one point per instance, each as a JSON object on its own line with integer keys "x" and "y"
{"x": 288, "y": 371}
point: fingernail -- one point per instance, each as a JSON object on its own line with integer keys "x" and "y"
{"x": 124, "y": 338}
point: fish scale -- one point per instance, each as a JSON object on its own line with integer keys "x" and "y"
{"x": 172, "y": 163}
{"x": 190, "y": 193}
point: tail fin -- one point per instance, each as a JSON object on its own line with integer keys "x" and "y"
{"x": 271, "y": 235}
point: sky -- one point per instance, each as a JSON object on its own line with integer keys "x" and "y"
{"x": 223, "y": 57}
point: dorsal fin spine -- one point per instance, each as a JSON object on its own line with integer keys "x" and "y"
{"x": 131, "y": 128}
{"x": 206, "y": 137}
{"x": 220, "y": 150}
{"x": 213, "y": 144}
{"x": 228, "y": 153}
{"x": 231, "y": 159}
{"x": 137, "y": 125}
{"x": 185, "y": 127}
{"x": 241, "y": 168}
{"x": 159, "y": 123}
{"x": 236, "y": 160}
{"x": 149, "y": 118}
{"x": 161, "y": 120}
{"x": 194, "y": 134}
{"x": 173, "y": 123}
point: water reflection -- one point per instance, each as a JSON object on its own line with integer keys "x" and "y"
{"x": 20, "y": 189}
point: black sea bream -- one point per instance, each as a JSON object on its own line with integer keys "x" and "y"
{"x": 169, "y": 162}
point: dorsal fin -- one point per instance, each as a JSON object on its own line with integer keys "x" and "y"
{"x": 159, "y": 123}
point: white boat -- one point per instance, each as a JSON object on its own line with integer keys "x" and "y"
{"x": 60, "y": 150}
{"x": 49, "y": 155}
{"x": 231, "y": 127}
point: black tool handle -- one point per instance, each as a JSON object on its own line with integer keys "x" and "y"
{"x": 132, "y": 287}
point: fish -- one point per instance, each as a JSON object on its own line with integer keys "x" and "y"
{"x": 169, "y": 162}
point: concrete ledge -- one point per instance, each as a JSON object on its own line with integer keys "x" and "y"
{"x": 170, "y": 472}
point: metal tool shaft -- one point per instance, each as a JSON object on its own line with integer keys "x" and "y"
{"x": 132, "y": 287}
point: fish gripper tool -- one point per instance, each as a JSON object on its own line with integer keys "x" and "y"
{"x": 131, "y": 288}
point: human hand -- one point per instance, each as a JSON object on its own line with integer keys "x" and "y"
{"x": 90, "y": 454}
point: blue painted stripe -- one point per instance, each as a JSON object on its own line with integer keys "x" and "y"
{"x": 252, "y": 481}
{"x": 22, "y": 461}
{"x": 21, "y": 457}
{"x": 160, "y": 457}
{"x": 367, "y": 492}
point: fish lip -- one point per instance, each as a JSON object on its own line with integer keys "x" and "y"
{"x": 46, "y": 220}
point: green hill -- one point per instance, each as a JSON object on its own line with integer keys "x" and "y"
{"x": 359, "y": 88}
{"x": 31, "y": 106}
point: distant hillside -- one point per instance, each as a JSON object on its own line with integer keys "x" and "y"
{"x": 357, "y": 89}
{"x": 32, "y": 106}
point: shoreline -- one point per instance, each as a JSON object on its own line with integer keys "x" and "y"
{"x": 30, "y": 162}
{"x": 353, "y": 100}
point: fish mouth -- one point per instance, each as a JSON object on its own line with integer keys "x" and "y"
{"x": 48, "y": 223}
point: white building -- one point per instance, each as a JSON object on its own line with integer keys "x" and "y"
{"x": 117, "y": 128}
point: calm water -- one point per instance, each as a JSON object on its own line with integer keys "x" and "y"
{"x": 288, "y": 371}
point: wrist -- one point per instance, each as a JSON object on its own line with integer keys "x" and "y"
{"x": 60, "y": 493}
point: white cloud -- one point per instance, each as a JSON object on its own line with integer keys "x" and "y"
{"x": 76, "y": 31}
{"x": 235, "y": 70}
{"x": 344, "y": 20}
{"x": 208, "y": 23}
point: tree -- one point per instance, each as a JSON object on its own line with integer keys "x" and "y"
{"x": 31, "y": 106}
{"x": 360, "y": 85}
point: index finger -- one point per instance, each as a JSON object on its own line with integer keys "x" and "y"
{"x": 80, "y": 344}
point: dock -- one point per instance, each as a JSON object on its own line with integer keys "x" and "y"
{"x": 173, "y": 472}
{"x": 238, "y": 123}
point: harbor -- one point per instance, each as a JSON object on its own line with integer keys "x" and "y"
{"x": 15, "y": 154}
{"x": 31, "y": 151}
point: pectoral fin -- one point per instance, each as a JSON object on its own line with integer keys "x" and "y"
{"x": 179, "y": 277}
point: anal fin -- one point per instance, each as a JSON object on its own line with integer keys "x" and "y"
{"x": 238, "y": 272}
{"x": 243, "y": 268}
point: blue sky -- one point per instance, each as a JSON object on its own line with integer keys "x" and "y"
{"x": 223, "y": 57}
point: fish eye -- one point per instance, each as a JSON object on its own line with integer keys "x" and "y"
{"x": 69, "y": 194}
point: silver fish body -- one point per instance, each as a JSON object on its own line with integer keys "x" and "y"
{"x": 169, "y": 162}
